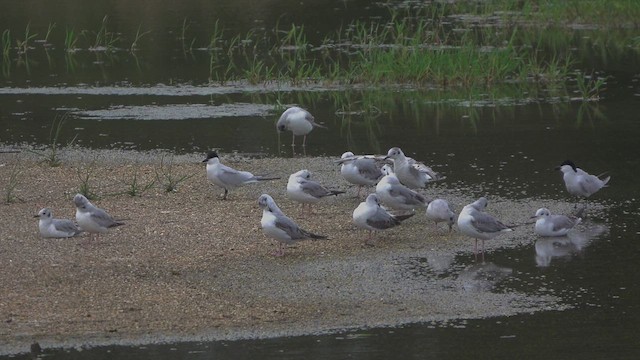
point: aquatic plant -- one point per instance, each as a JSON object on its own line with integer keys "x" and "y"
{"x": 589, "y": 87}
{"x": 48, "y": 33}
{"x": 23, "y": 45}
{"x": 136, "y": 40}
{"x": 70, "y": 40}
{"x": 105, "y": 40}
{"x": 183, "y": 37}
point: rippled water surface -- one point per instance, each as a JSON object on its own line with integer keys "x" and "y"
{"x": 494, "y": 141}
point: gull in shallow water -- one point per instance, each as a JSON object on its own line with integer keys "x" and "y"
{"x": 439, "y": 210}
{"x": 410, "y": 172}
{"x": 553, "y": 225}
{"x": 474, "y": 222}
{"x": 359, "y": 170}
{"x": 227, "y": 177}
{"x": 299, "y": 121}
{"x": 397, "y": 196}
{"x": 302, "y": 189}
{"x": 369, "y": 215}
{"x": 55, "y": 228}
{"x": 578, "y": 182}
{"x": 277, "y": 225}
{"x": 91, "y": 218}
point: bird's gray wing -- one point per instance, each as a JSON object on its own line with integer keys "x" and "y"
{"x": 292, "y": 229}
{"x": 407, "y": 196}
{"x": 368, "y": 169}
{"x": 102, "y": 218}
{"x": 424, "y": 169}
{"x": 382, "y": 220}
{"x": 590, "y": 184}
{"x": 233, "y": 177}
{"x": 561, "y": 222}
{"x": 314, "y": 189}
{"x": 65, "y": 225}
{"x": 312, "y": 120}
{"x": 486, "y": 223}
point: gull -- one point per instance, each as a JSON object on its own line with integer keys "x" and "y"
{"x": 302, "y": 189}
{"x": 578, "y": 182}
{"x": 439, "y": 210}
{"x": 473, "y": 222}
{"x": 92, "y": 219}
{"x": 55, "y": 228}
{"x": 227, "y": 177}
{"x": 553, "y": 225}
{"x": 410, "y": 172}
{"x": 397, "y": 196}
{"x": 359, "y": 170}
{"x": 277, "y": 225}
{"x": 299, "y": 121}
{"x": 369, "y": 215}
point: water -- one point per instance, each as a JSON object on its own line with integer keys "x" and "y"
{"x": 495, "y": 143}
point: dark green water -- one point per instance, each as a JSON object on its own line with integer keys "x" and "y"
{"x": 492, "y": 141}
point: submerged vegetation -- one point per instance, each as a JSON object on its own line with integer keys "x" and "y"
{"x": 441, "y": 43}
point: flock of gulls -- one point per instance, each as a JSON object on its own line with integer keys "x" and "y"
{"x": 395, "y": 176}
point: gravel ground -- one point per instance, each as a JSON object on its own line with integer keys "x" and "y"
{"x": 188, "y": 266}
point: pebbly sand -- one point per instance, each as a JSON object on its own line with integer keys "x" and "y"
{"x": 188, "y": 266}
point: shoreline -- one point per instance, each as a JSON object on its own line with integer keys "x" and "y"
{"x": 190, "y": 267}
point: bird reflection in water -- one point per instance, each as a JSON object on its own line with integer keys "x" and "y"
{"x": 483, "y": 277}
{"x": 566, "y": 246}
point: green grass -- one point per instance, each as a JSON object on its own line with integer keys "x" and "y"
{"x": 10, "y": 196}
{"x": 431, "y": 43}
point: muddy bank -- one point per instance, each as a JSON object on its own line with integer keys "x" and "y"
{"x": 189, "y": 266}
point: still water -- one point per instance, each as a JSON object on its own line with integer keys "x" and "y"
{"x": 494, "y": 142}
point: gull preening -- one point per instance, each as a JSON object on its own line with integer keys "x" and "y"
{"x": 369, "y": 215}
{"x": 553, "y": 225}
{"x": 299, "y": 121}
{"x": 302, "y": 189}
{"x": 439, "y": 210}
{"x": 578, "y": 182}
{"x": 397, "y": 196}
{"x": 411, "y": 173}
{"x": 359, "y": 170}
{"x": 474, "y": 222}
{"x": 55, "y": 228}
{"x": 91, "y": 218}
{"x": 277, "y": 225}
{"x": 227, "y": 177}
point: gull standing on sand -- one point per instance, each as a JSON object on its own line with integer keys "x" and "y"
{"x": 397, "y": 196}
{"x": 410, "y": 172}
{"x": 299, "y": 121}
{"x": 359, "y": 170}
{"x": 477, "y": 224}
{"x": 553, "y": 225}
{"x": 277, "y": 225}
{"x": 302, "y": 189}
{"x": 55, "y": 228}
{"x": 369, "y": 215}
{"x": 578, "y": 182}
{"x": 440, "y": 211}
{"x": 92, "y": 219}
{"x": 227, "y": 177}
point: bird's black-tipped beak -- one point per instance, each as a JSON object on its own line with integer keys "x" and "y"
{"x": 557, "y": 168}
{"x": 36, "y": 216}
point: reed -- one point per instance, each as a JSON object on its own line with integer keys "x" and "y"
{"x": 105, "y": 40}
{"x": 136, "y": 40}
